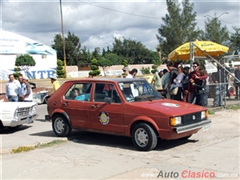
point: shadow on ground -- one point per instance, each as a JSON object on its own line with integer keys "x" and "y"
{"x": 121, "y": 141}
{"x": 12, "y": 130}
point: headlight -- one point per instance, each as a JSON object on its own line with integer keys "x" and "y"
{"x": 204, "y": 114}
{"x": 175, "y": 121}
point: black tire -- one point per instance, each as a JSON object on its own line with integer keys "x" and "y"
{"x": 45, "y": 100}
{"x": 60, "y": 126}
{"x": 144, "y": 138}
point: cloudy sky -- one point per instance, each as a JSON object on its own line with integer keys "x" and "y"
{"x": 97, "y": 22}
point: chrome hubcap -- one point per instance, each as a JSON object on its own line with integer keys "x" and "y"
{"x": 141, "y": 137}
{"x": 59, "y": 125}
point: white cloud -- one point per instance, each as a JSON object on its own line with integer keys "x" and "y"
{"x": 97, "y": 22}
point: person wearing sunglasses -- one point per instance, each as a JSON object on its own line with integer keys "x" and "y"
{"x": 194, "y": 77}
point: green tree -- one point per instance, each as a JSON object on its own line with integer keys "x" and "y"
{"x": 72, "y": 48}
{"x": 17, "y": 72}
{"x": 134, "y": 51}
{"x": 125, "y": 63}
{"x": 235, "y": 41}
{"x": 145, "y": 70}
{"x": 96, "y": 53}
{"x": 104, "y": 63}
{"x": 94, "y": 68}
{"x": 60, "y": 71}
{"x": 24, "y": 62}
{"x": 114, "y": 58}
{"x": 85, "y": 57}
{"x": 214, "y": 31}
{"x": 179, "y": 26}
{"x": 154, "y": 67}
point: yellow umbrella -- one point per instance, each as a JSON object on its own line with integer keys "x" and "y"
{"x": 211, "y": 48}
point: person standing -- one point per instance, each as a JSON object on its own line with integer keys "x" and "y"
{"x": 13, "y": 89}
{"x": 237, "y": 83}
{"x": 199, "y": 86}
{"x": 157, "y": 81}
{"x": 178, "y": 83}
{"x": 205, "y": 99}
{"x": 134, "y": 72}
{"x": 165, "y": 80}
{"x": 126, "y": 72}
{"x": 173, "y": 74}
{"x": 23, "y": 86}
{"x": 193, "y": 78}
{"x": 185, "y": 83}
{"x": 27, "y": 95}
{"x": 220, "y": 78}
{"x": 55, "y": 83}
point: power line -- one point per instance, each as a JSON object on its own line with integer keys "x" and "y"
{"x": 114, "y": 10}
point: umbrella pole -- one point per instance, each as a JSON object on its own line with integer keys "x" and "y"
{"x": 210, "y": 57}
{"x": 191, "y": 55}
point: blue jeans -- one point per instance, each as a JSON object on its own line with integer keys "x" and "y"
{"x": 13, "y": 98}
{"x": 200, "y": 99}
{"x": 220, "y": 90}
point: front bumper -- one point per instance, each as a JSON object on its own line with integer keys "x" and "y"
{"x": 17, "y": 122}
{"x": 191, "y": 127}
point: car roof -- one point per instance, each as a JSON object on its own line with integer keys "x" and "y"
{"x": 107, "y": 79}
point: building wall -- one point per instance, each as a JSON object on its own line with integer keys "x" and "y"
{"x": 13, "y": 45}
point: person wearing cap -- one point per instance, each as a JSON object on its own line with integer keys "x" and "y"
{"x": 27, "y": 90}
{"x": 126, "y": 71}
{"x": 55, "y": 82}
{"x": 23, "y": 87}
{"x": 27, "y": 94}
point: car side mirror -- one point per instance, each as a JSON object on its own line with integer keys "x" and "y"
{"x": 108, "y": 100}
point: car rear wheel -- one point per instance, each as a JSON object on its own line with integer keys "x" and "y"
{"x": 144, "y": 138}
{"x": 61, "y": 126}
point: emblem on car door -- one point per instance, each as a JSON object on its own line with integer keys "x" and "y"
{"x": 103, "y": 117}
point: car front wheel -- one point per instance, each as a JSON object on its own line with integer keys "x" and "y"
{"x": 144, "y": 138}
{"x": 60, "y": 126}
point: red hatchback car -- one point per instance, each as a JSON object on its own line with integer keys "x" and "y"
{"x": 123, "y": 106}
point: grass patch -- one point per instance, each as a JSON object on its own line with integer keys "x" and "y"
{"x": 39, "y": 145}
{"x": 211, "y": 112}
{"x": 234, "y": 107}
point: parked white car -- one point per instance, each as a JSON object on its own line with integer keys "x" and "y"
{"x": 15, "y": 114}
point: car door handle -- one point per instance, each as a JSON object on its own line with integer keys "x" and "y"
{"x": 65, "y": 103}
{"x": 95, "y": 106}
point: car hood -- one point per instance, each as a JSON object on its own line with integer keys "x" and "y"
{"x": 13, "y": 105}
{"x": 168, "y": 107}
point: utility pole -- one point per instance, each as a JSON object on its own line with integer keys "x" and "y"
{"x": 63, "y": 40}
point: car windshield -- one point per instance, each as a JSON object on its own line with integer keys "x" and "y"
{"x": 136, "y": 91}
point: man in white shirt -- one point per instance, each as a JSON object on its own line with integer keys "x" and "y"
{"x": 13, "y": 89}
{"x": 126, "y": 71}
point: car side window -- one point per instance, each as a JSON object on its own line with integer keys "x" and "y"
{"x": 79, "y": 92}
{"x": 103, "y": 90}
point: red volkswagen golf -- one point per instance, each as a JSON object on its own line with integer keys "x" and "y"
{"x": 127, "y": 107}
